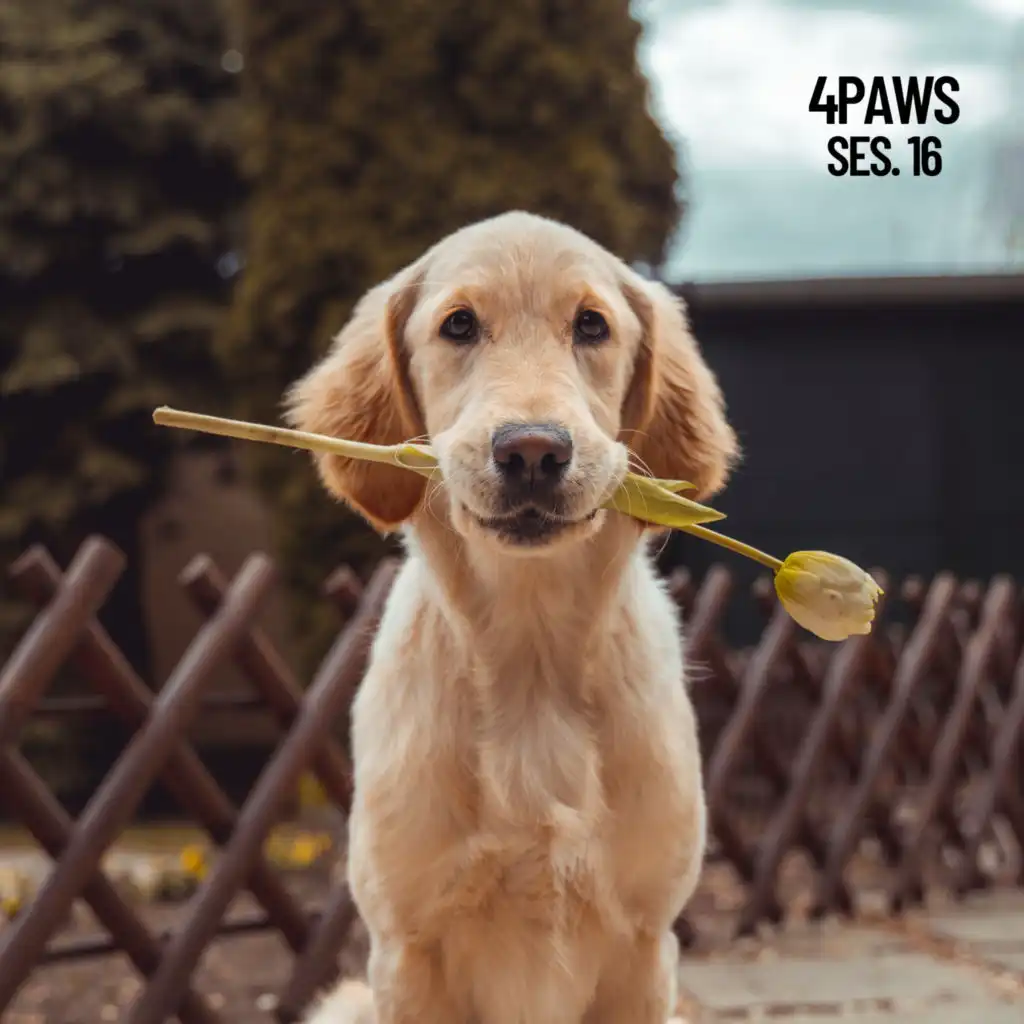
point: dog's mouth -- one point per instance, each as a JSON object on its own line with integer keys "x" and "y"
{"x": 531, "y": 526}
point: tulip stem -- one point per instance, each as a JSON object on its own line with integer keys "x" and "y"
{"x": 404, "y": 456}
{"x": 401, "y": 455}
{"x": 166, "y": 417}
{"x": 738, "y": 546}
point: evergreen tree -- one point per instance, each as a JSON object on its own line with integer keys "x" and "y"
{"x": 117, "y": 176}
{"x": 372, "y": 130}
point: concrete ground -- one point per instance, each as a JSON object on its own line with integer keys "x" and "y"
{"x": 962, "y": 963}
{"x": 956, "y": 963}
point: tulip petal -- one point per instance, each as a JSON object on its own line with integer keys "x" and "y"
{"x": 828, "y": 595}
{"x": 643, "y": 498}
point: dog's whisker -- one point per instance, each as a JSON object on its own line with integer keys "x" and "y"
{"x": 637, "y": 464}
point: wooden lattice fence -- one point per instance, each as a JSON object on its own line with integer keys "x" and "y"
{"x": 895, "y": 756}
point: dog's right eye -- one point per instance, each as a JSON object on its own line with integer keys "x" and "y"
{"x": 462, "y": 327}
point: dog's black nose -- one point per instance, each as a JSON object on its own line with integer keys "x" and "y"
{"x": 531, "y": 456}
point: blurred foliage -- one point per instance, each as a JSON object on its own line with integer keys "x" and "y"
{"x": 373, "y": 129}
{"x": 117, "y": 181}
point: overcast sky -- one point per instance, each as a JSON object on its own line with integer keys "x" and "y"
{"x": 733, "y": 80}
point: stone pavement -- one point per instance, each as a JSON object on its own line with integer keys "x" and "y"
{"x": 962, "y": 963}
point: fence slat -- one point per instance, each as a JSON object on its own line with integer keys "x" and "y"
{"x": 318, "y": 961}
{"x": 843, "y": 670}
{"x": 1005, "y": 751}
{"x": 183, "y": 773}
{"x": 733, "y": 739}
{"x": 53, "y": 634}
{"x": 334, "y": 683}
{"x": 26, "y": 794}
{"x": 914, "y": 660}
{"x": 848, "y": 752}
{"x": 267, "y": 671}
{"x": 788, "y": 734}
{"x": 316, "y": 964}
{"x": 117, "y": 796}
{"x": 709, "y": 606}
{"x": 997, "y": 606}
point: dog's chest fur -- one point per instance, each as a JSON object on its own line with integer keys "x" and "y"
{"x": 535, "y": 777}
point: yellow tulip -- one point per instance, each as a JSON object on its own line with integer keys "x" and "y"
{"x": 824, "y": 593}
{"x": 827, "y": 594}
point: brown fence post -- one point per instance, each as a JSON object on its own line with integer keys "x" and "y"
{"x": 914, "y": 660}
{"x": 843, "y": 670}
{"x": 1005, "y": 750}
{"x": 185, "y": 776}
{"x": 756, "y": 681}
{"x": 33, "y": 804}
{"x": 114, "y": 801}
{"x": 267, "y": 671}
{"x": 771, "y": 761}
{"x": 55, "y": 631}
{"x": 709, "y": 606}
{"x": 316, "y": 964}
{"x": 997, "y": 605}
{"x": 261, "y": 664}
{"x": 344, "y": 664}
{"x": 962, "y": 655}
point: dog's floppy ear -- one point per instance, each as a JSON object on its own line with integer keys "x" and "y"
{"x": 361, "y": 392}
{"x": 674, "y": 414}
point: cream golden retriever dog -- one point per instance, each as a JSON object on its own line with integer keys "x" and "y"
{"x": 528, "y": 817}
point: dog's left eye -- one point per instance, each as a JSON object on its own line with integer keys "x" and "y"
{"x": 590, "y": 327}
{"x": 462, "y": 327}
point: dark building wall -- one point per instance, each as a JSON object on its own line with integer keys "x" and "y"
{"x": 885, "y": 427}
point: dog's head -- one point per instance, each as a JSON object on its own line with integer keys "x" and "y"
{"x": 540, "y": 367}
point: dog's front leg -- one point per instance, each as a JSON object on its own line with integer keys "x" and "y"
{"x": 639, "y": 984}
{"x": 409, "y": 985}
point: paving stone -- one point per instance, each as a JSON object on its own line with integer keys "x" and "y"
{"x": 969, "y": 1013}
{"x": 980, "y": 925}
{"x": 996, "y": 899}
{"x": 813, "y": 941}
{"x": 870, "y": 981}
{"x": 1010, "y": 959}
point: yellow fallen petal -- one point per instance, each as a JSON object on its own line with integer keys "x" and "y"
{"x": 828, "y": 595}
{"x": 304, "y": 851}
{"x": 193, "y": 861}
